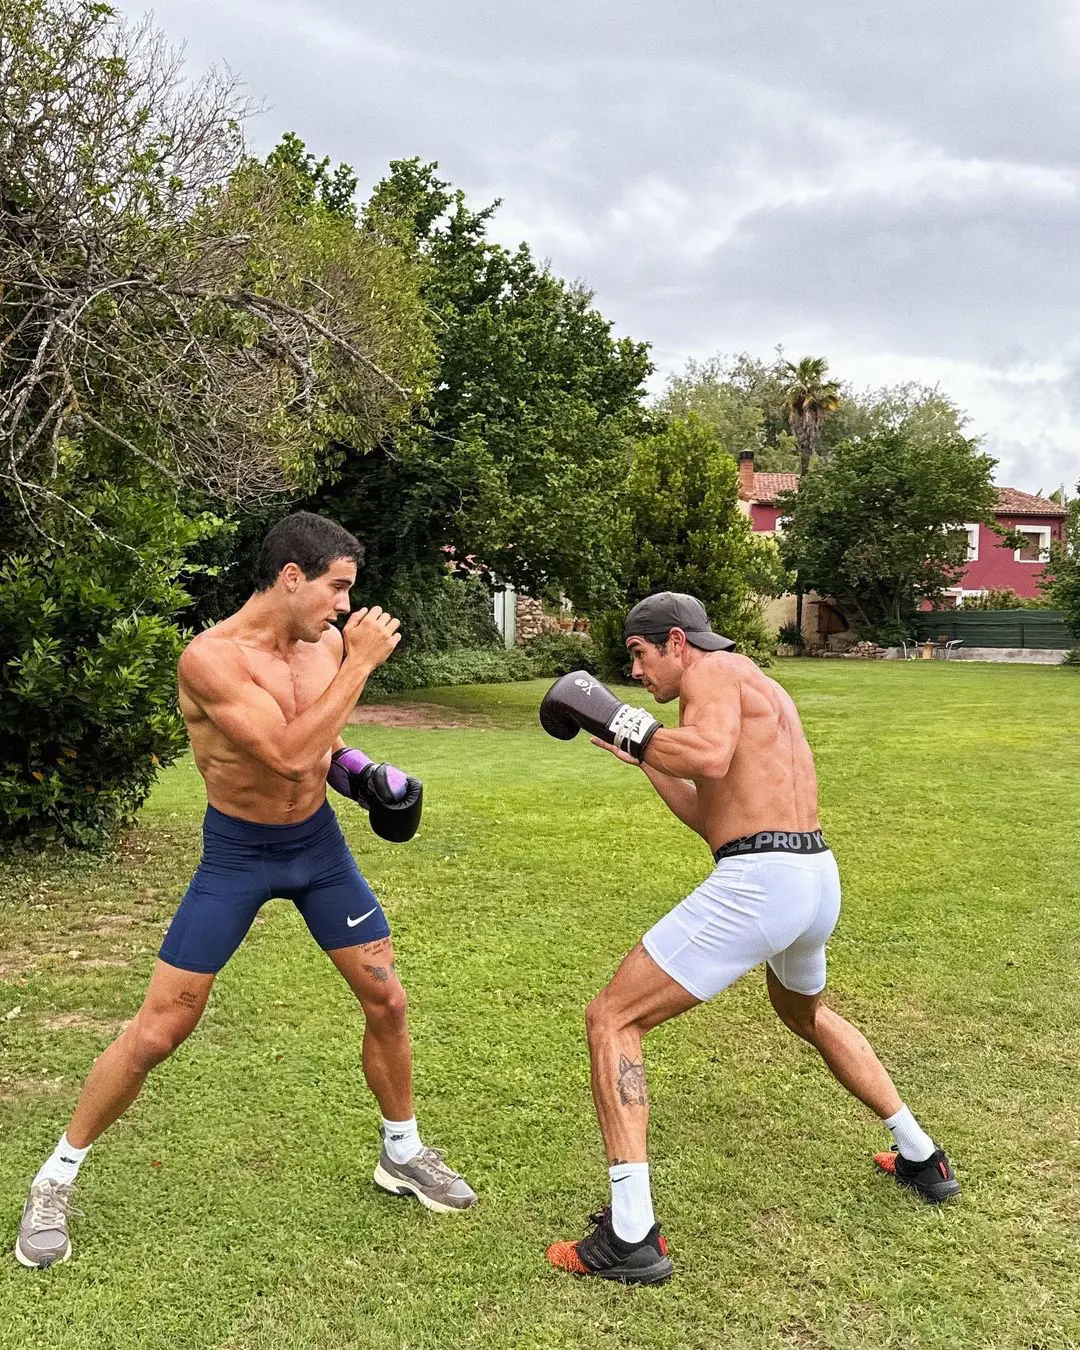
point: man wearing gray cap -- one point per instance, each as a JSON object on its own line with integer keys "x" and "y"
{"x": 739, "y": 772}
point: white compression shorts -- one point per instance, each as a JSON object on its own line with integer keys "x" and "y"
{"x": 777, "y": 907}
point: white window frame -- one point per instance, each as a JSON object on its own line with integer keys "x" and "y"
{"x": 973, "y": 541}
{"x": 1044, "y": 533}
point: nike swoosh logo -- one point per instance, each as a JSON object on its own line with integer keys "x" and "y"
{"x": 615, "y": 1180}
{"x": 353, "y": 922}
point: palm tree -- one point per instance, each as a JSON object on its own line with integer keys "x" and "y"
{"x": 809, "y": 399}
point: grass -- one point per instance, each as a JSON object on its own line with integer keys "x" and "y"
{"x": 233, "y": 1207}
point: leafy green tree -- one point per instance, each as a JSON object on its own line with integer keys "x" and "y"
{"x": 522, "y": 450}
{"x": 878, "y": 524}
{"x": 1060, "y": 582}
{"x": 681, "y": 529}
{"x": 743, "y": 398}
{"x": 810, "y": 399}
{"x": 181, "y": 332}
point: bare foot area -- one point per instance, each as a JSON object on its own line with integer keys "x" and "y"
{"x": 420, "y": 716}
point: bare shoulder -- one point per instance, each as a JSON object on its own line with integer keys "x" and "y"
{"x": 717, "y": 676}
{"x": 209, "y": 660}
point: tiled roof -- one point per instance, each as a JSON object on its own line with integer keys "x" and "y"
{"x": 1012, "y": 502}
{"x": 768, "y": 485}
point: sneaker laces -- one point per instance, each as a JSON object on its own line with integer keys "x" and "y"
{"x": 50, "y": 1204}
{"x": 431, "y": 1161}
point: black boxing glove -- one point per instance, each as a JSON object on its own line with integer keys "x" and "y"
{"x": 393, "y": 800}
{"x": 579, "y": 702}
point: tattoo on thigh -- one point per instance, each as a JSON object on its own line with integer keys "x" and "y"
{"x": 631, "y": 1082}
{"x": 382, "y": 973}
{"x": 187, "y": 998}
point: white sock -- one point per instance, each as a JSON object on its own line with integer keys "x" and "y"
{"x": 401, "y": 1139}
{"x": 64, "y": 1163}
{"x": 631, "y": 1200}
{"x": 911, "y": 1139}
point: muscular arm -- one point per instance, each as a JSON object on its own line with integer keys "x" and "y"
{"x": 679, "y": 796}
{"x": 703, "y": 744}
{"x": 215, "y": 676}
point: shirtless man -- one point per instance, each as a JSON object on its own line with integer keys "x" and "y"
{"x": 265, "y": 695}
{"x": 738, "y": 771}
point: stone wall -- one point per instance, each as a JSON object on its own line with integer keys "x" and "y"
{"x": 531, "y": 620}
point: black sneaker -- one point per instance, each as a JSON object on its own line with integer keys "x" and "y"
{"x": 932, "y": 1179}
{"x": 603, "y": 1253}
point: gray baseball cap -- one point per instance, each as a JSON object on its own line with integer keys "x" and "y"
{"x": 656, "y": 615}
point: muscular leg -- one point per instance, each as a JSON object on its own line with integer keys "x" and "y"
{"x": 639, "y": 997}
{"x": 843, "y": 1047}
{"x": 370, "y": 973}
{"x": 172, "y": 1007}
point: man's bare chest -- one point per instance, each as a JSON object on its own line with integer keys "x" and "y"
{"x": 294, "y": 684}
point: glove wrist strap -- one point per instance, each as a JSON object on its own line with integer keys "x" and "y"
{"x": 631, "y": 729}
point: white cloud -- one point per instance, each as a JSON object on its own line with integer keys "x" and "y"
{"x": 893, "y": 186}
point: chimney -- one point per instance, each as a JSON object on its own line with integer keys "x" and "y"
{"x": 746, "y": 475}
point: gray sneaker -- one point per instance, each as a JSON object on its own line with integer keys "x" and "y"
{"x": 43, "y": 1229}
{"x": 428, "y": 1178}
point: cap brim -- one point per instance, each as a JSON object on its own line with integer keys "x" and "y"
{"x": 710, "y": 642}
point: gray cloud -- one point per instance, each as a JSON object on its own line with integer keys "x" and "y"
{"x": 895, "y": 187}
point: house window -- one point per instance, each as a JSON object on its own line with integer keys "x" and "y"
{"x": 973, "y": 542}
{"x": 1036, "y": 548}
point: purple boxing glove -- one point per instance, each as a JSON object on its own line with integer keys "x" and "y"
{"x": 346, "y": 776}
{"x": 392, "y": 799}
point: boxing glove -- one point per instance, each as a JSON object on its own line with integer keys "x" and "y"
{"x": 393, "y": 800}
{"x": 580, "y": 702}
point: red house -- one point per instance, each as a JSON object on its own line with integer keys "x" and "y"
{"x": 992, "y": 565}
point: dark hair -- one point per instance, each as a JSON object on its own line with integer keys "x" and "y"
{"x": 311, "y": 542}
{"x": 660, "y": 643}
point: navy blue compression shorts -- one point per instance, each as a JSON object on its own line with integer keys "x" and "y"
{"x": 243, "y": 865}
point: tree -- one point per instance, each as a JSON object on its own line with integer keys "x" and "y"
{"x": 1060, "y": 581}
{"x": 522, "y": 450}
{"x": 681, "y": 529}
{"x": 743, "y": 398}
{"x": 878, "y": 524}
{"x": 180, "y": 332}
{"x": 163, "y": 301}
{"x": 809, "y": 399}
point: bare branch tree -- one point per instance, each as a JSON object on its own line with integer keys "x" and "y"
{"x": 161, "y": 304}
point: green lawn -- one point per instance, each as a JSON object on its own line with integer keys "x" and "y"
{"x": 233, "y": 1207}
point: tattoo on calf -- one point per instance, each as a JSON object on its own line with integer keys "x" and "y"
{"x": 631, "y": 1082}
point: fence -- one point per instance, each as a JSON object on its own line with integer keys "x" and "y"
{"x": 997, "y": 627}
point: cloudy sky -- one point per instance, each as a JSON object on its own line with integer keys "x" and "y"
{"x": 893, "y": 186}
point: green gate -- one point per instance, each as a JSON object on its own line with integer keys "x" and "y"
{"x": 996, "y": 627}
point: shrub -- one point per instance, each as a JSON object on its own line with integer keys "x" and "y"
{"x": 790, "y": 634}
{"x": 1072, "y": 657}
{"x": 88, "y": 650}
{"x": 407, "y": 671}
{"x": 439, "y": 612}
{"x": 1003, "y": 597}
{"x": 888, "y": 634}
{"x": 559, "y": 653}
